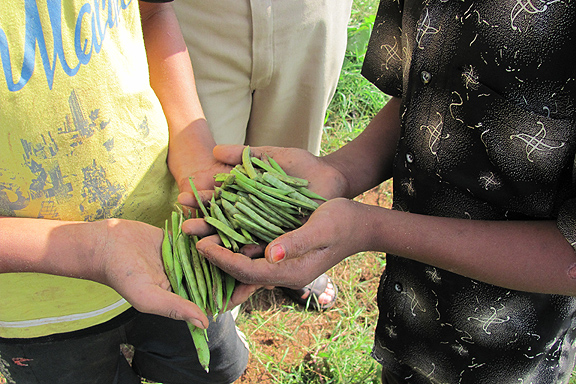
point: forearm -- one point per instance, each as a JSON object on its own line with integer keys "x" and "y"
{"x": 521, "y": 255}
{"x": 172, "y": 78}
{"x": 49, "y": 246}
{"x": 367, "y": 160}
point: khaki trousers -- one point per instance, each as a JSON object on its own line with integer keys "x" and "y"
{"x": 266, "y": 70}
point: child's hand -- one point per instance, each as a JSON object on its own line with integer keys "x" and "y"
{"x": 336, "y": 230}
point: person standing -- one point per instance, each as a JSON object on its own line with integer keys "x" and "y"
{"x": 265, "y": 73}
{"x": 100, "y": 125}
{"x": 480, "y": 278}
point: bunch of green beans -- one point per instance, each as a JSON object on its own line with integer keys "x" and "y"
{"x": 256, "y": 201}
{"x": 194, "y": 278}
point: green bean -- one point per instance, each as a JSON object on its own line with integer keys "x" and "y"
{"x": 259, "y": 219}
{"x": 222, "y": 193}
{"x": 225, "y": 239}
{"x": 168, "y": 259}
{"x": 227, "y": 230}
{"x": 306, "y": 192}
{"x": 290, "y": 200}
{"x": 226, "y": 206}
{"x": 277, "y": 218}
{"x": 280, "y": 194}
{"x": 275, "y": 165}
{"x": 229, "y": 207}
{"x": 262, "y": 164}
{"x": 217, "y": 212}
{"x": 230, "y": 282}
{"x": 292, "y": 180}
{"x": 293, "y": 192}
{"x": 221, "y": 177}
{"x": 229, "y": 180}
{"x": 205, "y": 270}
{"x": 200, "y": 277}
{"x": 240, "y": 178}
{"x": 300, "y": 197}
{"x": 197, "y": 196}
{"x": 289, "y": 216}
{"x": 178, "y": 272}
{"x": 270, "y": 178}
{"x": 266, "y": 237}
{"x": 262, "y": 212}
{"x": 245, "y": 233}
{"x": 201, "y": 344}
{"x": 240, "y": 168}
{"x": 194, "y": 287}
{"x": 263, "y": 196}
{"x": 254, "y": 228}
{"x": 247, "y": 163}
{"x": 217, "y": 294}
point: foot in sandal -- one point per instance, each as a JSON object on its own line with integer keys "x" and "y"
{"x": 318, "y": 295}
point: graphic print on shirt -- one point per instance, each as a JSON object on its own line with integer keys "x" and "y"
{"x": 50, "y": 185}
{"x": 64, "y": 158}
{"x": 94, "y": 16}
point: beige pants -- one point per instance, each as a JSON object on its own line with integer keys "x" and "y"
{"x": 266, "y": 70}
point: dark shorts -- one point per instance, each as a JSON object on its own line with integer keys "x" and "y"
{"x": 163, "y": 352}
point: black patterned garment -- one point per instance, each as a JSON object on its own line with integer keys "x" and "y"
{"x": 488, "y": 115}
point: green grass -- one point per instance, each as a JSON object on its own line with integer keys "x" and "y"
{"x": 356, "y": 100}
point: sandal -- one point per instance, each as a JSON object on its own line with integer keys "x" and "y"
{"x": 315, "y": 289}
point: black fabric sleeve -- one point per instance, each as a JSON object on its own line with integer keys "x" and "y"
{"x": 383, "y": 61}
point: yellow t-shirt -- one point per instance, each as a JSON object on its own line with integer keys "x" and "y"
{"x": 82, "y": 137}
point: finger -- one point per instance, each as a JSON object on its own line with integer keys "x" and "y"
{"x": 253, "y": 251}
{"x": 241, "y": 293}
{"x": 164, "y": 303}
{"x": 228, "y": 154}
{"x": 292, "y": 245}
{"x": 187, "y": 198}
{"x": 197, "y": 227}
{"x": 243, "y": 268}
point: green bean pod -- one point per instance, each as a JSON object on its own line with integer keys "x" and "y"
{"x": 201, "y": 344}
{"x": 247, "y": 163}
{"x": 168, "y": 259}
{"x": 196, "y": 290}
{"x": 218, "y": 293}
{"x": 259, "y": 219}
{"x": 261, "y": 232}
{"x": 276, "y": 218}
{"x": 275, "y": 165}
{"x": 262, "y": 164}
{"x": 227, "y": 230}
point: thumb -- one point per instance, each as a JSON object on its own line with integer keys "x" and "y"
{"x": 291, "y": 245}
{"x": 228, "y": 153}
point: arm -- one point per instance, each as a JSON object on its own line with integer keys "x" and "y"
{"x": 119, "y": 253}
{"x": 530, "y": 256}
{"x": 172, "y": 78}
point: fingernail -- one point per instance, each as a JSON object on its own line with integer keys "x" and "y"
{"x": 198, "y": 323}
{"x": 572, "y": 271}
{"x": 277, "y": 253}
